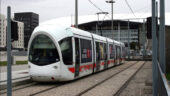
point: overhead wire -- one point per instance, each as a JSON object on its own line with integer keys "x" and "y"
{"x": 97, "y": 7}
{"x": 130, "y": 8}
{"x": 146, "y": 11}
{"x": 143, "y": 8}
{"x": 99, "y": 24}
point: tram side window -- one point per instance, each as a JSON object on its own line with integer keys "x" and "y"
{"x": 105, "y": 51}
{"x": 66, "y": 50}
{"x": 86, "y": 51}
{"x": 111, "y": 50}
{"x": 101, "y": 51}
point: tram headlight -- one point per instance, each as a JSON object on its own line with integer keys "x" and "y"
{"x": 55, "y": 67}
{"x": 29, "y": 66}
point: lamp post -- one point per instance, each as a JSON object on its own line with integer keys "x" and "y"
{"x": 111, "y": 1}
{"x": 98, "y": 21}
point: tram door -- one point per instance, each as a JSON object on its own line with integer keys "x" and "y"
{"x": 116, "y": 52}
{"x": 105, "y": 56}
{"x": 77, "y": 55}
{"x": 119, "y": 54}
{"x": 97, "y": 57}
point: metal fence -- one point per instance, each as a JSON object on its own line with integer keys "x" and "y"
{"x": 163, "y": 88}
{"x": 160, "y": 83}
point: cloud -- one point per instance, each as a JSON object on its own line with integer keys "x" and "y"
{"x": 48, "y": 9}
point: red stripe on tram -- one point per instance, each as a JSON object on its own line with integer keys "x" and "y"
{"x": 72, "y": 69}
{"x": 85, "y": 67}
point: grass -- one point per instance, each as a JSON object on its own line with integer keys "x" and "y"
{"x": 4, "y": 63}
{"x": 21, "y": 62}
{"x": 168, "y": 76}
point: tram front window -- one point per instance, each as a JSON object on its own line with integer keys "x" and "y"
{"x": 43, "y": 51}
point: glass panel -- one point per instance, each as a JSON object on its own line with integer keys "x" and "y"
{"x": 77, "y": 50}
{"x": 105, "y": 52}
{"x": 86, "y": 51}
{"x": 101, "y": 51}
{"x": 119, "y": 53}
{"x": 66, "y": 50}
{"x": 111, "y": 49}
{"x": 43, "y": 51}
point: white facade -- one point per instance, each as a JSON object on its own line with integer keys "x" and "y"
{"x": 20, "y": 42}
{"x": 3, "y": 25}
{"x": 143, "y": 37}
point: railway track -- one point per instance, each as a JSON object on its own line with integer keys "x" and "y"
{"x": 92, "y": 87}
{"x": 38, "y": 89}
{"x": 127, "y": 82}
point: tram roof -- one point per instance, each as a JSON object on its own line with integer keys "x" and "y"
{"x": 109, "y": 40}
{"x": 98, "y": 37}
{"x": 80, "y": 32}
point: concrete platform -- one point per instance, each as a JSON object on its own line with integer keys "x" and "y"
{"x": 18, "y": 78}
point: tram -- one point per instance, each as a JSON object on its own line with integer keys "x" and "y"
{"x": 58, "y": 53}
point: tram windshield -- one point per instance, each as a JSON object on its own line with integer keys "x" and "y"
{"x": 43, "y": 51}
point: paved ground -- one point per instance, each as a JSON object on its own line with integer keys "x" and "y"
{"x": 17, "y": 58}
{"x": 69, "y": 88}
{"x": 14, "y": 68}
{"x": 141, "y": 84}
{"x": 19, "y": 75}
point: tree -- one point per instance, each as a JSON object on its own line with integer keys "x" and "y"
{"x": 133, "y": 45}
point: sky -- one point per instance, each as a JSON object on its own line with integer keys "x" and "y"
{"x": 50, "y": 9}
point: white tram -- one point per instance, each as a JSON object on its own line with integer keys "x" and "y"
{"x": 66, "y": 53}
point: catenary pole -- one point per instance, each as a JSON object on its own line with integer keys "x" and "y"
{"x": 144, "y": 41}
{"x": 0, "y": 31}
{"x": 111, "y": 1}
{"x": 128, "y": 41}
{"x": 112, "y": 16}
{"x": 154, "y": 50}
{"x": 162, "y": 37}
{"x": 76, "y": 13}
{"x": 9, "y": 81}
